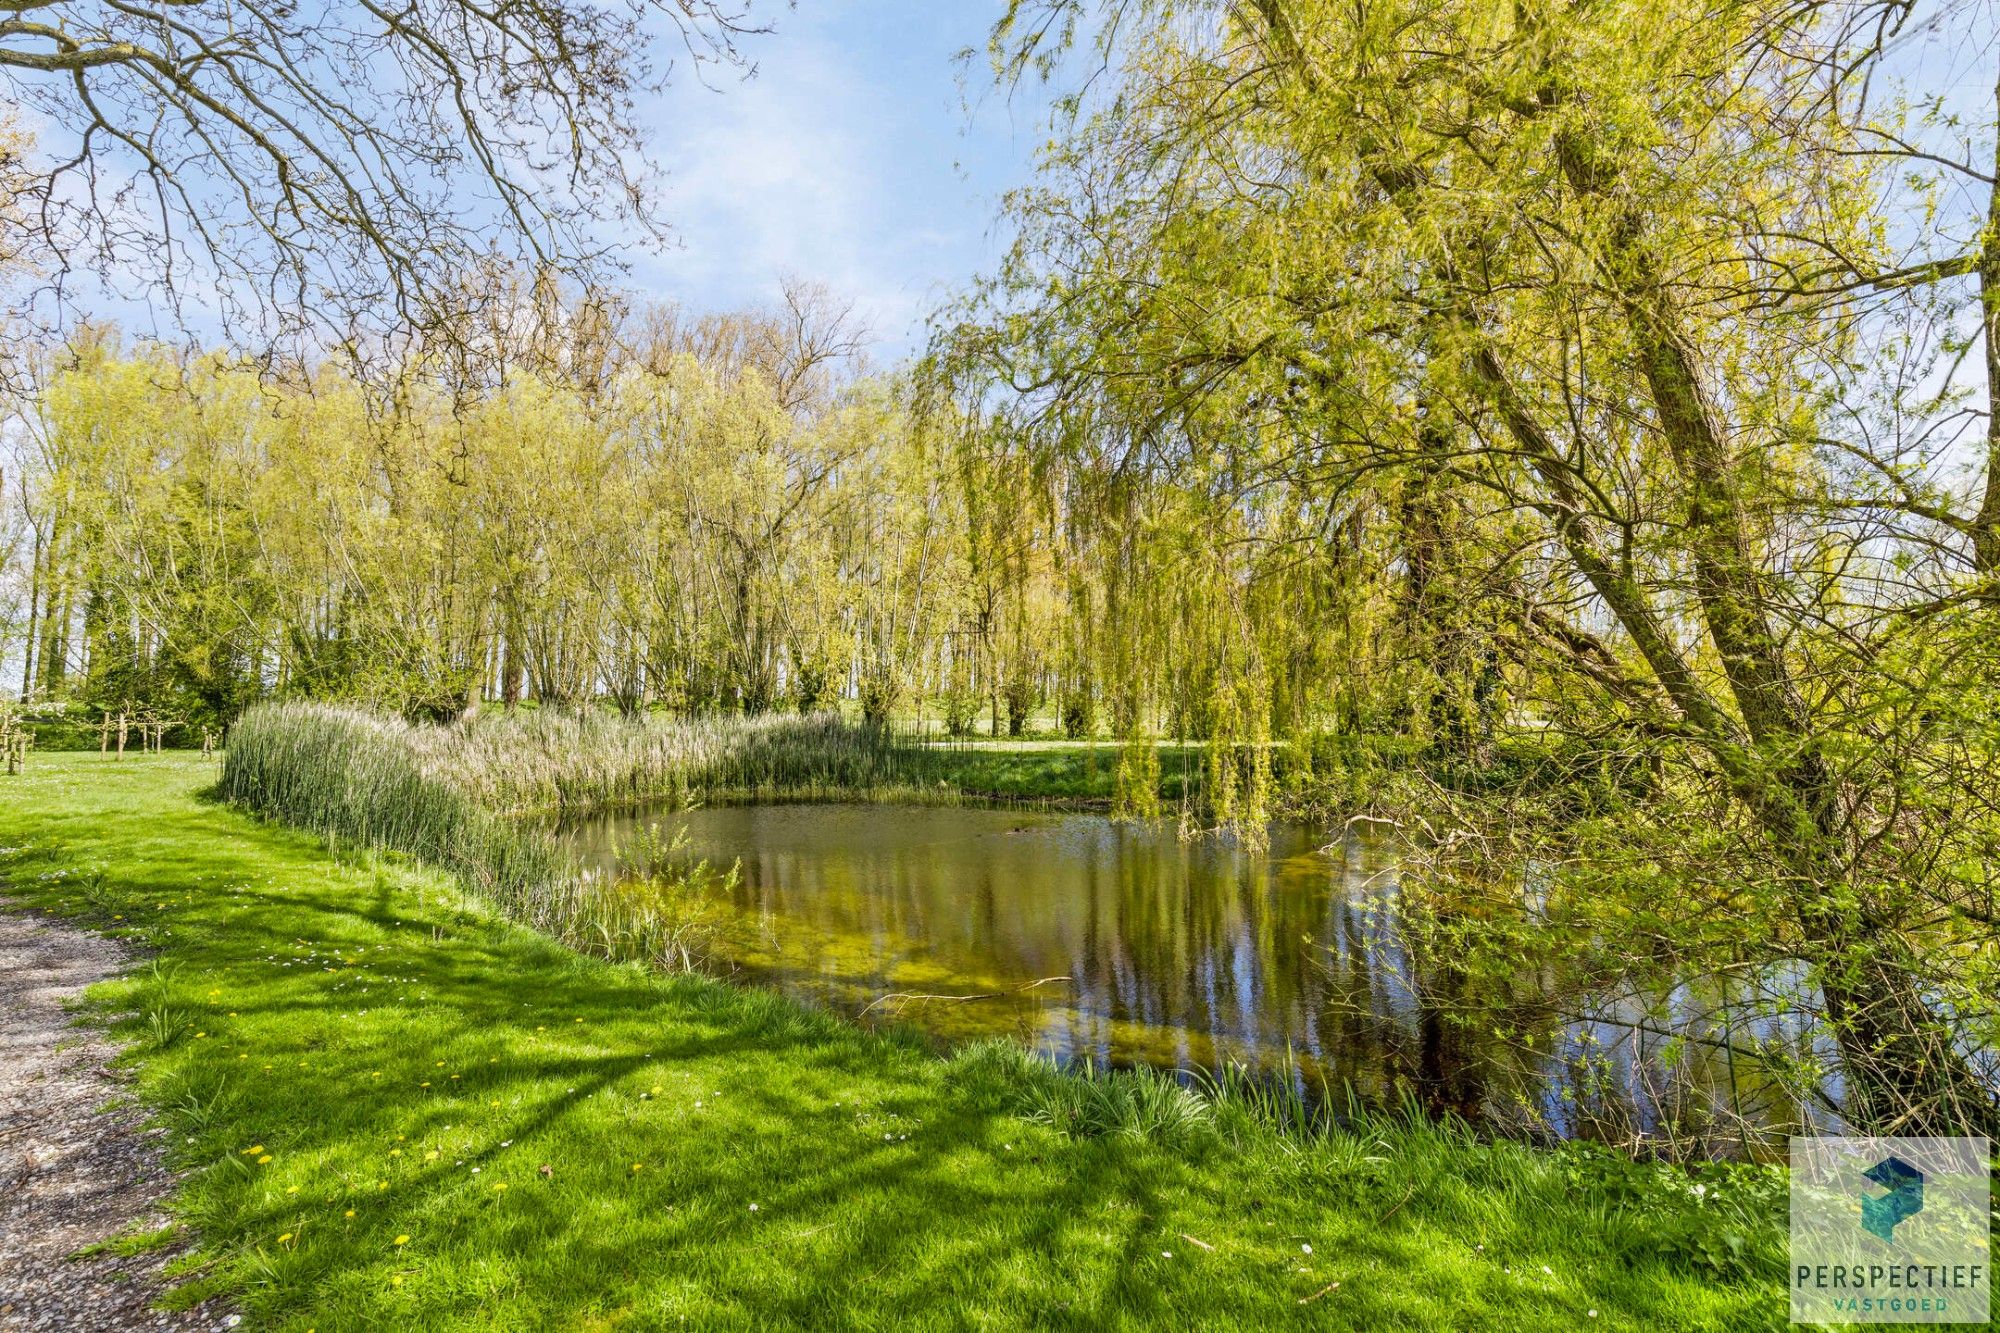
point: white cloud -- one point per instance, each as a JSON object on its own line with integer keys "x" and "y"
{"x": 838, "y": 162}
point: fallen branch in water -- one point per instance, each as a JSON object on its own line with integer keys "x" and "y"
{"x": 902, "y": 998}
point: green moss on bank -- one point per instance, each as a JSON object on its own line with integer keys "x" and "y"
{"x": 398, "y": 1111}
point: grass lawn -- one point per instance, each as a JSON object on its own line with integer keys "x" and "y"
{"x": 1057, "y": 770}
{"x": 398, "y": 1111}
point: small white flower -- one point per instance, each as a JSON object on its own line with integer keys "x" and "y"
{"x": 1166, "y": 1254}
{"x": 1305, "y": 1249}
{"x": 1593, "y": 1314}
{"x": 1550, "y": 1271}
{"x": 753, "y": 1207}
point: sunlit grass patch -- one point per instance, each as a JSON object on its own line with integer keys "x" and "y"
{"x": 793, "y": 1171}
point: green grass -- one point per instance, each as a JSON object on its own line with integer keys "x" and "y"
{"x": 348, "y": 1054}
{"x": 1063, "y": 771}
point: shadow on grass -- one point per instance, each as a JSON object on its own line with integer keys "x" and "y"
{"x": 373, "y": 1056}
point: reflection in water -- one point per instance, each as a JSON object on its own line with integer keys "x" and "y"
{"x": 1183, "y": 955}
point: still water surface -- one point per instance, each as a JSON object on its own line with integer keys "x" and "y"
{"x": 1119, "y": 942}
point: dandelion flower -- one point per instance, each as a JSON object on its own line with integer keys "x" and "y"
{"x": 501, "y": 1186}
{"x": 637, "y": 1165}
{"x": 291, "y": 1189}
{"x": 350, "y": 1212}
{"x": 402, "y": 1240}
{"x": 285, "y": 1239}
{"x": 252, "y": 1152}
{"x": 265, "y": 1159}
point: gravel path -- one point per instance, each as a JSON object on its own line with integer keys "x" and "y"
{"x": 71, "y": 1173}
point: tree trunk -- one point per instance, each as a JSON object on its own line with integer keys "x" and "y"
{"x": 1897, "y": 1053}
{"x": 34, "y": 608}
{"x": 1986, "y": 524}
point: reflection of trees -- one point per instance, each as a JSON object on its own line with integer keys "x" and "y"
{"x": 1548, "y": 1049}
{"x": 1204, "y": 954}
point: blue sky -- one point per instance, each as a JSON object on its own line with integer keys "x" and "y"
{"x": 861, "y": 154}
{"x": 851, "y": 158}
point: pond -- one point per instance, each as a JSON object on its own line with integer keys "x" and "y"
{"x": 1121, "y": 943}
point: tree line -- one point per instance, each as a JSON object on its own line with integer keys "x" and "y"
{"x": 626, "y": 508}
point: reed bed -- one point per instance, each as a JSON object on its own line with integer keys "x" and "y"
{"x": 359, "y": 779}
{"x": 570, "y": 761}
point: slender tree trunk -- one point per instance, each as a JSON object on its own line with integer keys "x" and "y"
{"x": 1986, "y": 524}
{"x": 511, "y": 669}
{"x": 34, "y": 609}
{"x": 55, "y": 622}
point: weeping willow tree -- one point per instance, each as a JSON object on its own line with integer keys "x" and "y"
{"x": 1585, "y": 352}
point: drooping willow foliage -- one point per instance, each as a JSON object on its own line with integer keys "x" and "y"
{"x": 1600, "y": 374}
{"x": 724, "y": 515}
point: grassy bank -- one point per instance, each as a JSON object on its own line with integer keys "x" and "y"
{"x": 398, "y": 1110}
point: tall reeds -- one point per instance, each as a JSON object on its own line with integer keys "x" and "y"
{"x": 549, "y": 760}
{"x": 359, "y": 779}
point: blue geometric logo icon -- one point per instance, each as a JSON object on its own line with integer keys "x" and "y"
{"x": 1904, "y": 1199}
